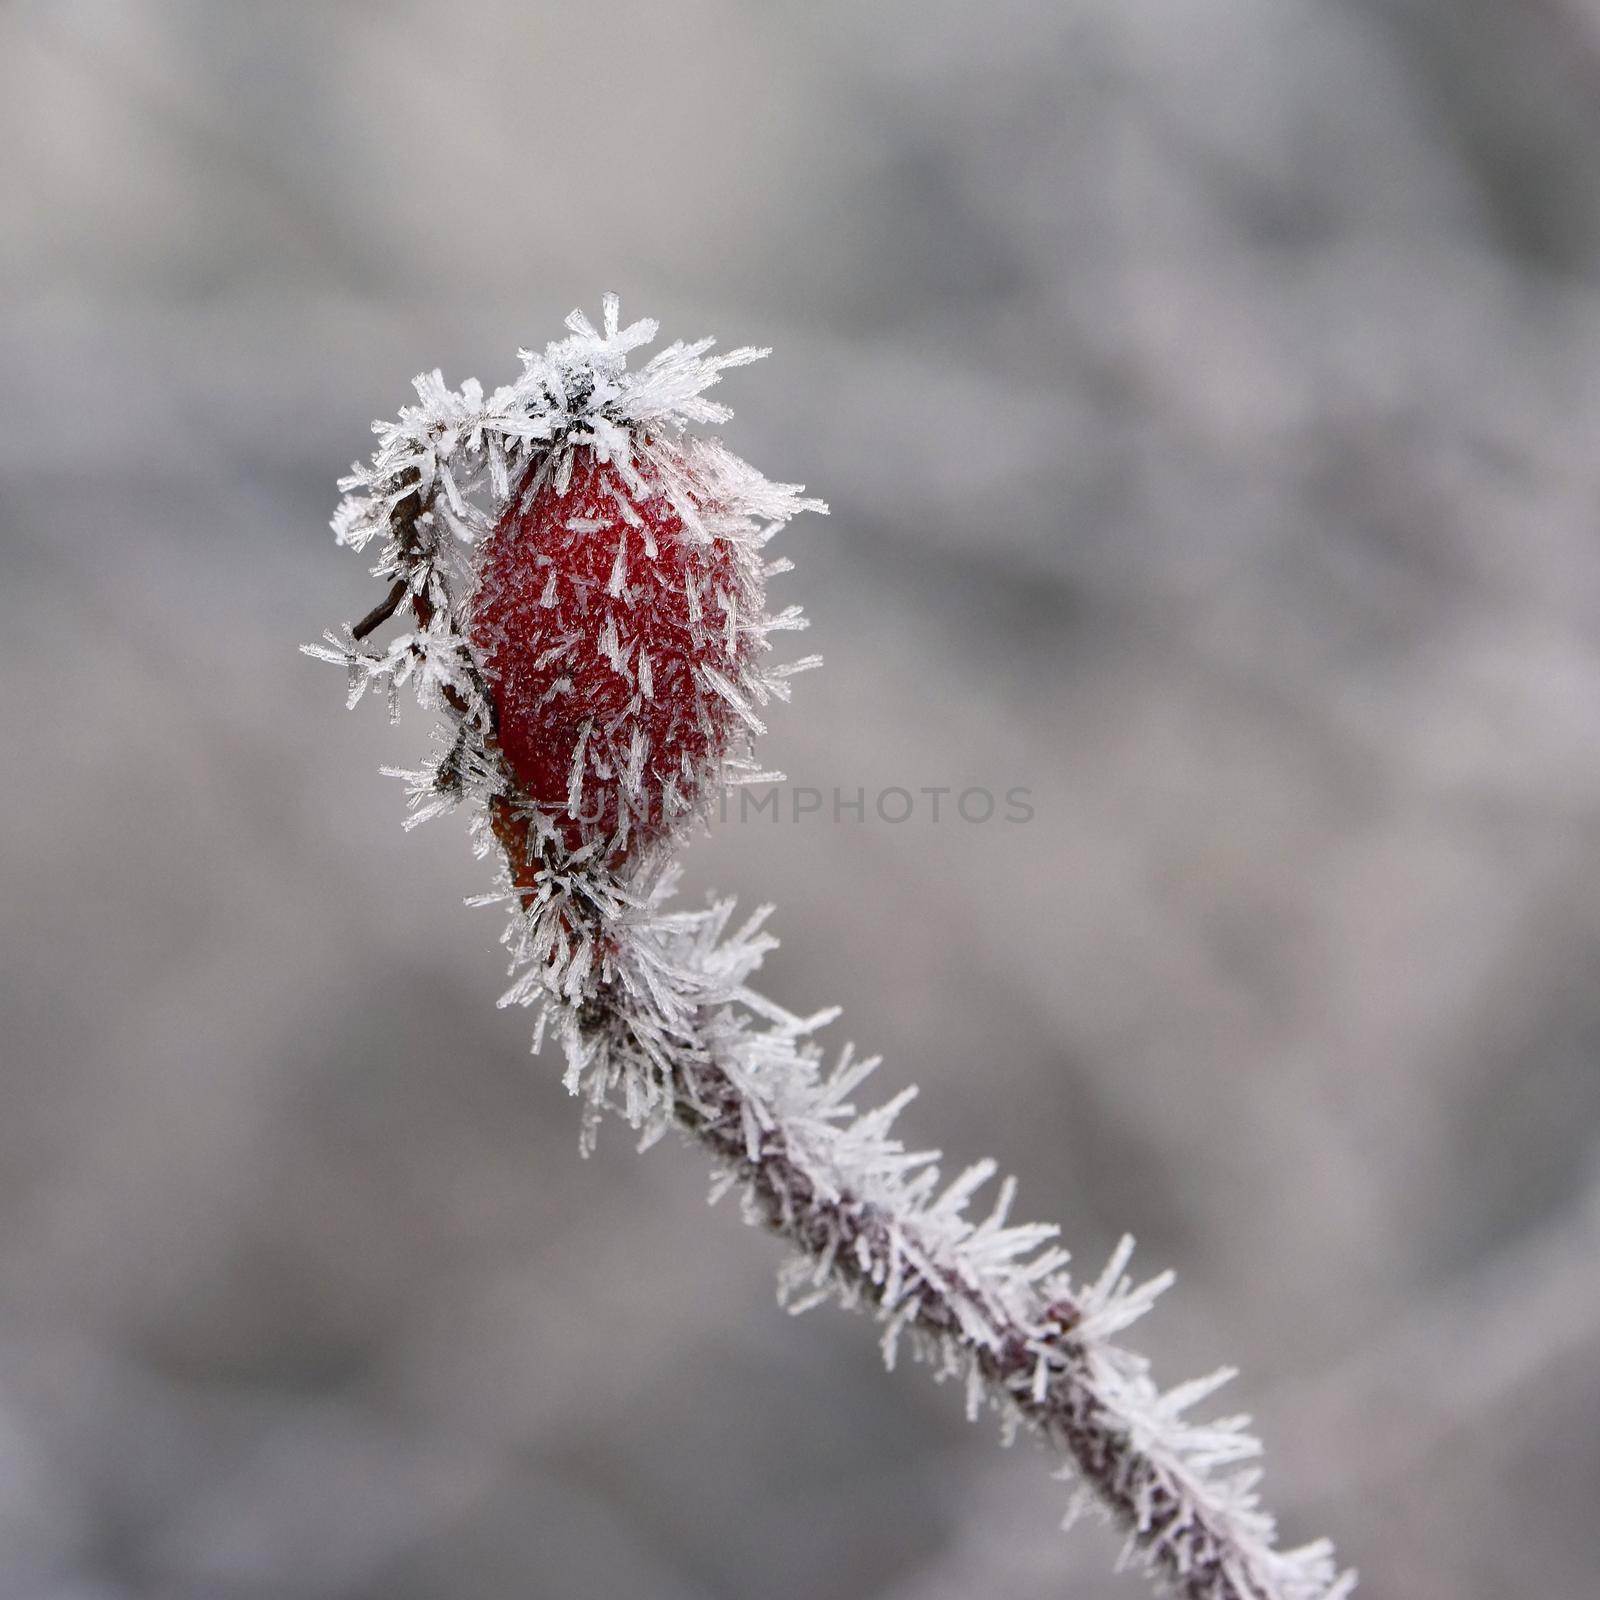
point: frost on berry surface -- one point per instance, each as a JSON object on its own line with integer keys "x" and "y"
{"x": 579, "y": 581}
{"x": 619, "y": 626}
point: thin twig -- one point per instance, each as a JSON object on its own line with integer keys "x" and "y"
{"x": 381, "y": 612}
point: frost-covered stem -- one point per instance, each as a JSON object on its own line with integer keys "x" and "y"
{"x": 850, "y": 1239}
{"x": 1041, "y": 1358}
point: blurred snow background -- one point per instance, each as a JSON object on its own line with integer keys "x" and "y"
{"x": 1207, "y": 396}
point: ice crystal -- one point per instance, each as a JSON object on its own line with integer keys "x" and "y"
{"x": 567, "y": 541}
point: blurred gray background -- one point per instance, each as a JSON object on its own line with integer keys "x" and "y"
{"x": 1207, "y": 398}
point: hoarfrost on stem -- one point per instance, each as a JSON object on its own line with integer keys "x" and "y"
{"x": 654, "y": 1007}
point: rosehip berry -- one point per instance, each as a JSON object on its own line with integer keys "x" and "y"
{"x": 609, "y": 633}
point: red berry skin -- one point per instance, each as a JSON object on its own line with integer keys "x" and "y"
{"x": 591, "y": 627}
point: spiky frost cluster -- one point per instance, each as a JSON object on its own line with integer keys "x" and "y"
{"x": 656, "y": 1012}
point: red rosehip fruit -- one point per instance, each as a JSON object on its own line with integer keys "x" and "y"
{"x": 610, "y": 634}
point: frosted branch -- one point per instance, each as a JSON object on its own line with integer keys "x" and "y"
{"x": 654, "y": 1007}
